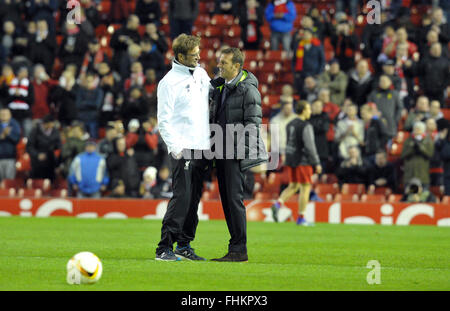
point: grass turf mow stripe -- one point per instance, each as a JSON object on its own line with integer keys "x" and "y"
{"x": 282, "y": 257}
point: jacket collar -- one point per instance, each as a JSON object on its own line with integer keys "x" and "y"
{"x": 219, "y": 83}
{"x": 177, "y": 66}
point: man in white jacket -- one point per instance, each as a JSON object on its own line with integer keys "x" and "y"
{"x": 183, "y": 121}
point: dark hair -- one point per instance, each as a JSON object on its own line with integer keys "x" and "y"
{"x": 238, "y": 56}
{"x": 300, "y": 106}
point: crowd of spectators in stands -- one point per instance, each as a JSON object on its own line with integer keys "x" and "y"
{"x": 89, "y": 116}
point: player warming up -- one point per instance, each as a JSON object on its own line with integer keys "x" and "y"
{"x": 301, "y": 156}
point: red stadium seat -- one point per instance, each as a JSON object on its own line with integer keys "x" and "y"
{"x": 373, "y": 198}
{"x": 349, "y": 197}
{"x": 324, "y": 189}
{"x": 265, "y": 31}
{"x": 446, "y": 199}
{"x": 8, "y": 192}
{"x": 213, "y": 32}
{"x": 234, "y": 31}
{"x": 446, "y": 113}
{"x": 275, "y": 56}
{"x": 202, "y": 20}
{"x": 270, "y": 67}
{"x": 266, "y": 78}
{"x": 271, "y": 100}
{"x": 11, "y": 183}
{"x": 253, "y": 55}
{"x": 394, "y": 198}
{"x": 352, "y": 188}
{"x": 222, "y": 20}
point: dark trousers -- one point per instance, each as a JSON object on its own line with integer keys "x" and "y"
{"x": 181, "y": 219}
{"x": 231, "y": 188}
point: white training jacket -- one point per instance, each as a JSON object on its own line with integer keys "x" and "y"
{"x": 183, "y": 108}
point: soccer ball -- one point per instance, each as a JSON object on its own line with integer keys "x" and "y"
{"x": 84, "y": 268}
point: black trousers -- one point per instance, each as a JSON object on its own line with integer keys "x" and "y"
{"x": 181, "y": 219}
{"x": 231, "y": 189}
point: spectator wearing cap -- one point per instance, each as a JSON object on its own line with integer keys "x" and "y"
{"x": 345, "y": 44}
{"x": 251, "y": 19}
{"x": 308, "y": 59}
{"x": 416, "y": 154}
{"x": 21, "y": 99}
{"x": 63, "y": 96}
{"x": 336, "y": 81}
{"x": 88, "y": 102}
{"x": 148, "y": 11}
{"x": 74, "y": 45}
{"x": 280, "y": 14}
{"x": 360, "y": 83}
{"x": 420, "y": 113}
{"x": 74, "y": 145}
{"x": 388, "y": 103}
{"x": 388, "y": 69}
{"x": 42, "y": 143}
{"x": 122, "y": 165}
{"x": 88, "y": 173}
{"x": 9, "y": 138}
{"x": 144, "y": 140}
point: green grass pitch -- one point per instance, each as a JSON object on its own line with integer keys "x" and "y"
{"x": 34, "y": 253}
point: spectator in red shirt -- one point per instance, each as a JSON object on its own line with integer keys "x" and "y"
{"x": 42, "y": 85}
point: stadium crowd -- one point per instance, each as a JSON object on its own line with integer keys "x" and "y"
{"x": 78, "y": 100}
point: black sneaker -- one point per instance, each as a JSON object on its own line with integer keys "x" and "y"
{"x": 167, "y": 255}
{"x": 187, "y": 253}
{"x": 232, "y": 257}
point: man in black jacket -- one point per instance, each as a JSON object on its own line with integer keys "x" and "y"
{"x": 236, "y": 103}
{"x": 42, "y": 143}
{"x": 301, "y": 156}
{"x": 321, "y": 123}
